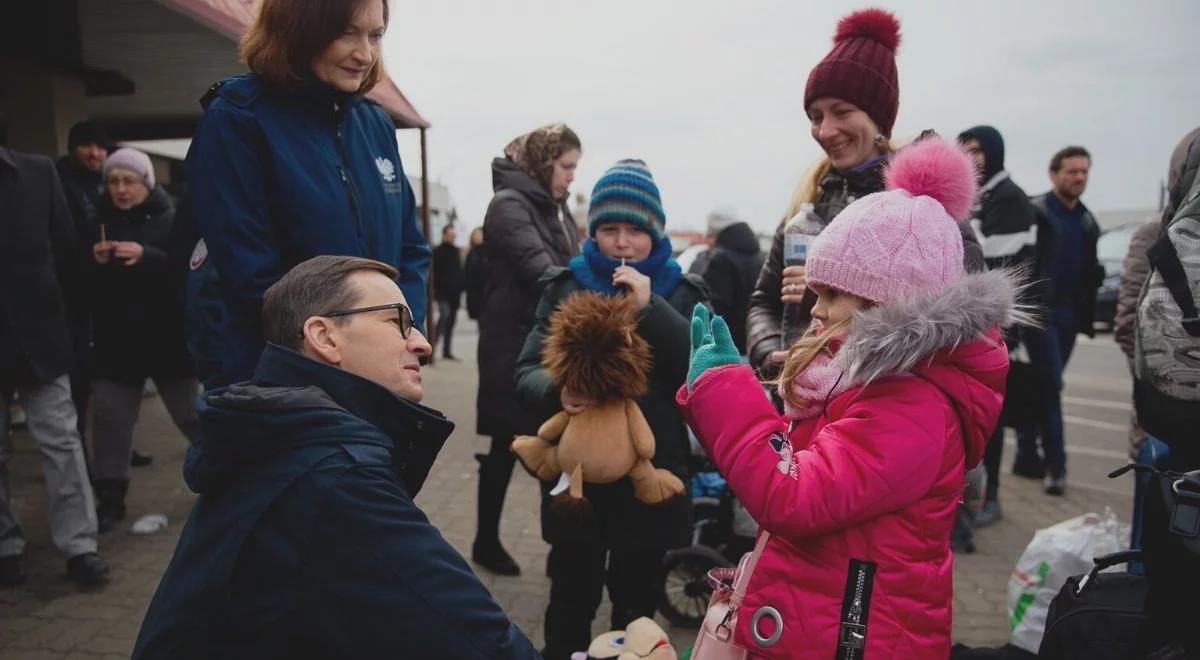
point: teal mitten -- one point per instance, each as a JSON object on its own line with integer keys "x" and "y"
{"x": 712, "y": 345}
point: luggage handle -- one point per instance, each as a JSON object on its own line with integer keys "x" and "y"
{"x": 1185, "y": 484}
{"x": 1107, "y": 561}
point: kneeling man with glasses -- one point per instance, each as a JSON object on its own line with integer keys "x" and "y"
{"x": 305, "y": 541}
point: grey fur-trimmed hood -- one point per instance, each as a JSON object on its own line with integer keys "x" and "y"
{"x": 895, "y": 338}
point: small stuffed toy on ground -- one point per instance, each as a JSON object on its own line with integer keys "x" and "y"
{"x": 594, "y": 351}
{"x": 643, "y": 639}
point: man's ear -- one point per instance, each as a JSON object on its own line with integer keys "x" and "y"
{"x": 321, "y": 340}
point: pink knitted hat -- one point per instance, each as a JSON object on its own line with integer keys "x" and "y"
{"x": 131, "y": 160}
{"x": 887, "y": 246}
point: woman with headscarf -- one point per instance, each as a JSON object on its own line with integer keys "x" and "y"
{"x": 851, "y": 100}
{"x": 527, "y": 230}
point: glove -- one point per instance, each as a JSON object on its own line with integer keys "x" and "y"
{"x": 712, "y": 345}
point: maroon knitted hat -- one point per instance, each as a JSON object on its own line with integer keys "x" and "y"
{"x": 861, "y": 68}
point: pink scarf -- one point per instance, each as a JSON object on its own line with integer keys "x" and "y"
{"x": 821, "y": 381}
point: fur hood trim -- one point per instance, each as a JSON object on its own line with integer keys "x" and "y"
{"x": 895, "y": 338}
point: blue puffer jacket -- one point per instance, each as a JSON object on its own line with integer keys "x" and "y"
{"x": 305, "y": 541}
{"x": 279, "y": 176}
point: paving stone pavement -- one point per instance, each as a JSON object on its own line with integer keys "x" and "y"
{"x": 49, "y": 618}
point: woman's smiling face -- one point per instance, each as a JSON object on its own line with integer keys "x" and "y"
{"x": 845, "y": 132}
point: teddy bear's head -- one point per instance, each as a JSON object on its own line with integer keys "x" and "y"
{"x": 594, "y": 349}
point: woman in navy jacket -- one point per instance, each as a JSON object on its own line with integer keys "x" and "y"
{"x": 292, "y": 161}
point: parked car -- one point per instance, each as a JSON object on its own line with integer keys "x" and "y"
{"x": 1110, "y": 251}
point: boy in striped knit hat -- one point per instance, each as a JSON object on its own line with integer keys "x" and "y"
{"x": 621, "y": 541}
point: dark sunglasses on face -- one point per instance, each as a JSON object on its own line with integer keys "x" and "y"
{"x": 404, "y": 320}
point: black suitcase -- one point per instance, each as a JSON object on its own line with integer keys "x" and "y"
{"x": 1099, "y": 616}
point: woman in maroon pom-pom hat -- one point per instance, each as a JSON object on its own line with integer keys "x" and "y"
{"x": 851, "y": 100}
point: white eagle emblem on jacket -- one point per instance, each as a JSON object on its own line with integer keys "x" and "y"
{"x": 386, "y": 169}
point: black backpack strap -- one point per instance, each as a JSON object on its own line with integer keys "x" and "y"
{"x": 1165, "y": 260}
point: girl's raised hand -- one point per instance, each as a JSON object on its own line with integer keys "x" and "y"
{"x": 712, "y": 345}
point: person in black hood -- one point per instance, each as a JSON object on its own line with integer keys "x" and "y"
{"x": 305, "y": 541}
{"x": 137, "y": 326}
{"x": 527, "y": 230}
{"x": 1004, "y": 220}
{"x": 731, "y": 270}
{"x": 1006, "y": 224}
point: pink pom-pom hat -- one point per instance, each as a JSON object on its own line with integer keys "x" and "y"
{"x": 890, "y": 245}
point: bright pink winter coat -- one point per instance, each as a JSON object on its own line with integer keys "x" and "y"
{"x": 860, "y": 500}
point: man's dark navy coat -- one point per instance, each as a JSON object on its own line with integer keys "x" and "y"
{"x": 305, "y": 541}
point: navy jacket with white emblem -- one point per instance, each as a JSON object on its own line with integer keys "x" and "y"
{"x": 282, "y": 175}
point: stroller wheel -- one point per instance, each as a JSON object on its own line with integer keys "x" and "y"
{"x": 685, "y": 593}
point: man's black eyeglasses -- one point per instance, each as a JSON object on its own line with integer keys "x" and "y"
{"x": 405, "y": 320}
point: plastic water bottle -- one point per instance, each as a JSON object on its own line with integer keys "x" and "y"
{"x": 798, "y": 236}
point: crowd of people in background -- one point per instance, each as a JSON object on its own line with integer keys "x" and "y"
{"x": 297, "y": 295}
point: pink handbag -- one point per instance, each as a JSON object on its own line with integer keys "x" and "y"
{"x": 715, "y": 640}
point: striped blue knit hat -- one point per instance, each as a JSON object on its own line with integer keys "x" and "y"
{"x": 627, "y": 193}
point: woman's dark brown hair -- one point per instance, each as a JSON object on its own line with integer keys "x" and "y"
{"x": 287, "y": 34}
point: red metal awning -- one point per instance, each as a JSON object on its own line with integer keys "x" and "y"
{"x": 232, "y": 17}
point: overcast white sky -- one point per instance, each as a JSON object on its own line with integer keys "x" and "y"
{"x": 711, "y": 93}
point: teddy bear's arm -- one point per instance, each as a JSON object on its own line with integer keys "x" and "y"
{"x": 639, "y": 430}
{"x": 552, "y": 429}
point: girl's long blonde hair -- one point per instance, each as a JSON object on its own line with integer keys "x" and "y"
{"x": 801, "y": 355}
{"x": 808, "y": 190}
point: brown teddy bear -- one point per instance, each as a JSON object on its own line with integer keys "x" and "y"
{"x": 594, "y": 351}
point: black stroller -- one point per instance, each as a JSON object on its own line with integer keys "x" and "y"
{"x": 685, "y": 593}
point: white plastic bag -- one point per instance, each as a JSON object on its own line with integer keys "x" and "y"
{"x": 1054, "y": 554}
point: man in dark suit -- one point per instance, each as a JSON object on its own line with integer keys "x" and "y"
{"x": 36, "y": 240}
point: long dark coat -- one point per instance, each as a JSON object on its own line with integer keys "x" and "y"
{"x": 136, "y": 311}
{"x": 523, "y": 237}
{"x": 36, "y": 240}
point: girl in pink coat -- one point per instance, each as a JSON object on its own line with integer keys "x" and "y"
{"x": 890, "y": 397}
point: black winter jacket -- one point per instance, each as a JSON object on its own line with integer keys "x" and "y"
{"x": 447, "y": 273}
{"x": 1007, "y": 223}
{"x": 84, "y": 190}
{"x": 523, "y": 237}
{"x": 137, "y": 322}
{"x": 1092, "y": 275}
{"x": 621, "y": 521}
{"x": 764, "y": 331}
{"x": 731, "y": 272}
{"x": 305, "y": 541}
{"x": 36, "y": 239}
{"x": 474, "y": 273}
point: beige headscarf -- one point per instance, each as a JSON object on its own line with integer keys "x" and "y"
{"x": 536, "y": 151}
